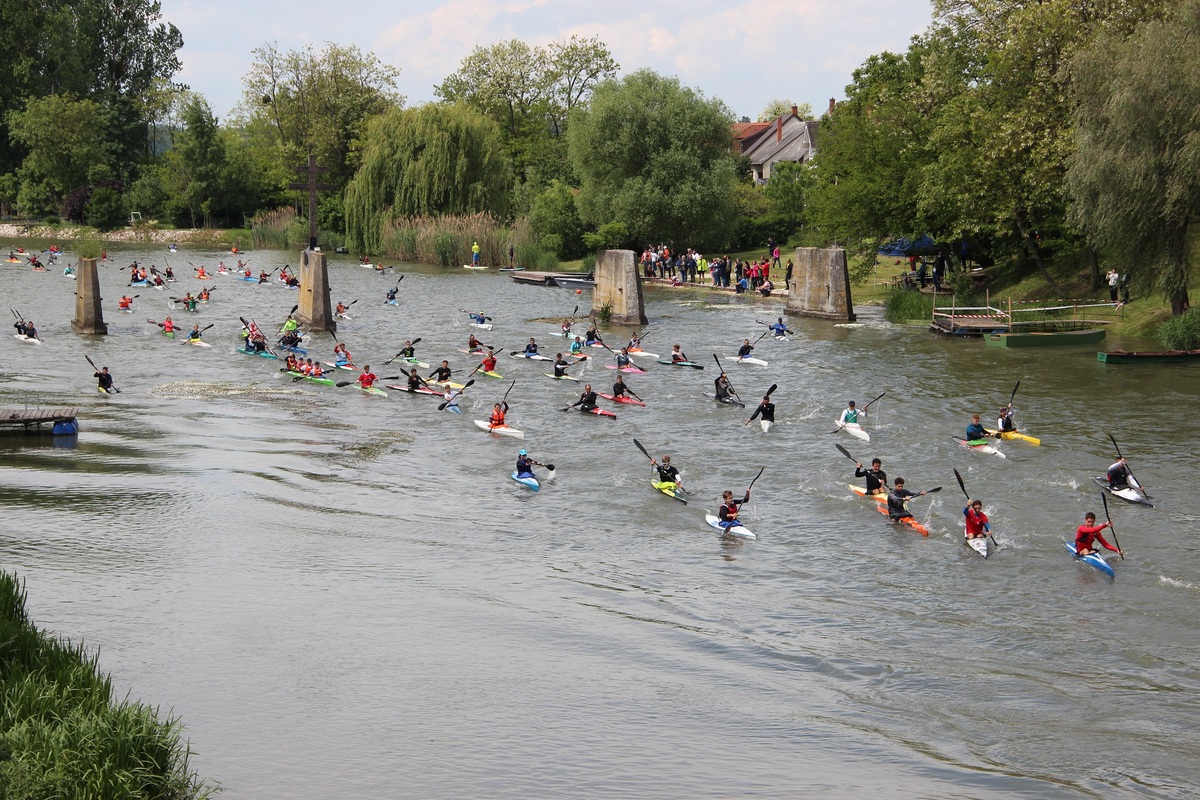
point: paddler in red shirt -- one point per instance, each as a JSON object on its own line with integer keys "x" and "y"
{"x": 1088, "y": 533}
{"x": 368, "y": 378}
{"x": 168, "y": 325}
{"x": 977, "y": 521}
{"x": 489, "y": 362}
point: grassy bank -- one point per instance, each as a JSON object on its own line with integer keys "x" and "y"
{"x": 61, "y": 733}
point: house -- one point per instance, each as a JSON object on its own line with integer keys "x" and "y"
{"x": 787, "y": 138}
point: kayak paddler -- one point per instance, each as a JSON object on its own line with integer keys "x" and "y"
{"x": 194, "y": 333}
{"x": 976, "y": 520}
{"x": 976, "y": 431}
{"x": 168, "y": 325}
{"x": 561, "y": 366}
{"x": 391, "y": 295}
{"x": 779, "y": 328}
{"x": 474, "y": 344}
{"x": 668, "y": 475}
{"x": 876, "y": 477}
{"x": 408, "y": 351}
{"x": 524, "y": 465}
{"x": 414, "y": 381}
{"x": 1087, "y": 534}
{"x": 531, "y": 349}
{"x": 723, "y": 389}
{"x": 619, "y": 387}
{"x": 593, "y": 335}
{"x": 623, "y": 358}
{"x": 1004, "y": 422}
{"x": 896, "y": 499}
{"x": 765, "y": 409}
{"x": 586, "y": 401}
{"x": 125, "y": 302}
{"x": 744, "y": 350}
{"x": 104, "y": 381}
{"x": 489, "y": 362}
{"x": 677, "y": 355}
{"x": 1118, "y": 475}
{"x": 289, "y": 325}
{"x": 479, "y": 318}
{"x": 367, "y": 379}
{"x": 728, "y": 512}
{"x": 341, "y": 355}
{"x": 442, "y": 373}
{"x": 496, "y": 420}
{"x": 850, "y": 415}
{"x": 577, "y": 347}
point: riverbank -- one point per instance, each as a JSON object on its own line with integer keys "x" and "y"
{"x": 62, "y": 735}
{"x": 146, "y": 234}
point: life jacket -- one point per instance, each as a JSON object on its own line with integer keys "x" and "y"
{"x": 497, "y": 418}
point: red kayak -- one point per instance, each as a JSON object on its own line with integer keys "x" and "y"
{"x": 600, "y": 412}
{"x": 622, "y": 399}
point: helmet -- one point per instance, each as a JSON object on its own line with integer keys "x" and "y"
{"x": 522, "y": 453}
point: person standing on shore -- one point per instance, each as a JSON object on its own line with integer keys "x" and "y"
{"x": 1114, "y": 279}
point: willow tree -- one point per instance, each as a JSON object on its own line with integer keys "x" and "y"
{"x": 1135, "y": 174}
{"x": 431, "y": 160}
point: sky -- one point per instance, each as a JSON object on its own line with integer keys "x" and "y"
{"x": 744, "y": 52}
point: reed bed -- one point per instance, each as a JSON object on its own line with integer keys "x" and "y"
{"x": 447, "y": 240}
{"x": 61, "y": 733}
{"x": 902, "y": 305}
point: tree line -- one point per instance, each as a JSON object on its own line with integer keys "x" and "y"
{"x": 1040, "y": 134}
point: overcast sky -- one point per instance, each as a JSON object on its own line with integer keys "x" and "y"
{"x": 745, "y": 52}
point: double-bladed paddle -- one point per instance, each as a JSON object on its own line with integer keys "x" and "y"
{"x": 114, "y": 389}
{"x": 770, "y": 391}
{"x": 864, "y": 408}
{"x": 678, "y": 485}
{"x": 614, "y": 352}
{"x": 728, "y": 383}
{"x": 202, "y": 330}
{"x": 1132, "y": 480}
{"x": 453, "y": 396}
{"x": 393, "y": 358}
{"x": 966, "y": 494}
{"x": 1104, "y": 500}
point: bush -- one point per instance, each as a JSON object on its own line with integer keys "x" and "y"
{"x": 445, "y": 245}
{"x": 105, "y": 210}
{"x": 1182, "y": 332}
{"x": 905, "y": 304}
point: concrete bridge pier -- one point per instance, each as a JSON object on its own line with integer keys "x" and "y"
{"x": 618, "y": 287}
{"x": 820, "y": 285}
{"x": 316, "y": 313}
{"x": 89, "y": 314}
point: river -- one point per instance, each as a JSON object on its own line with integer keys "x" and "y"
{"x": 345, "y": 595}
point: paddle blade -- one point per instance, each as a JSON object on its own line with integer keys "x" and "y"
{"x": 961, "y": 485}
{"x": 341, "y": 383}
{"x": 771, "y": 391}
{"x": 846, "y": 453}
{"x": 639, "y": 447}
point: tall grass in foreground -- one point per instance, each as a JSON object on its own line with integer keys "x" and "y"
{"x": 1182, "y": 332}
{"x": 61, "y": 733}
{"x": 902, "y": 305}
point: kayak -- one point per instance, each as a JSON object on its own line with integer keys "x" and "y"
{"x": 197, "y": 343}
{"x": 390, "y": 303}
{"x": 1009, "y": 436}
{"x": 250, "y": 279}
{"x": 321, "y": 381}
{"x": 737, "y": 529}
{"x": 476, "y": 352}
{"x": 640, "y": 352}
{"x": 447, "y": 384}
{"x": 491, "y": 374}
{"x": 416, "y": 363}
{"x": 499, "y": 430}
{"x": 260, "y": 353}
{"x": 979, "y": 445}
{"x": 622, "y": 399}
{"x": 453, "y": 408}
{"x": 487, "y": 326}
{"x": 909, "y": 521}
{"x": 371, "y": 390}
{"x": 782, "y": 339}
{"x": 528, "y": 481}
{"x": 346, "y": 317}
{"x": 691, "y": 364}
{"x": 600, "y": 412}
{"x": 766, "y": 425}
{"x": 861, "y": 491}
{"x": 168, "y": 334}
{"x": 1129, "y": 494}
{"x": 25, "y": 338}
{"x": 561, "y": 377}
{"x": 297, "y": 350}
{"x": 1095, "y": 559}
{"x": 532, "y": 356}
{"x": 979, "y": 544}
{"x": 669, "y": 489}
{"x": 729, "y": 401}
{"x": 632, "y": 370}
{"x": 403, "y": 387}
{"x": 335, "y": 365}
{"x": 747, "y": 360}
{"x": 856, "y": 430}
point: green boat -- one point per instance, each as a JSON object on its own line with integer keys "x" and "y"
{"x": 322, "y": 381}
{"x": 1154, "y": 357}
{"x": 1044, "y": 338}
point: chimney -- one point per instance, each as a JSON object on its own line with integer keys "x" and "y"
{"x": 779, "y": 129}
{"x": 795, "y": 112}
{"x": 832, "y": 103}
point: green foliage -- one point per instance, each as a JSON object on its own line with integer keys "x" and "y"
{"x": 89, "y": 246}
{"x": 612, "y": 234}
{"x": 146, "y": 195}
{"x": 1181, "y": 332}
{"x": 656, "y": 157}
{"x": 782, "y": 108}
{"x": 10, "y": 186}
{"x": 1133, "y": 178}
{"x": 447, "y": 240}
{"x": 105, "y": 210}
{"x": 553, "y": 214}
{"x": 606, "y": 311}
{"x": 61, "y": 733}
{"x": 64, "y": 139}
{"x": 902, "y": 305}
{"x": 436, "y": 159}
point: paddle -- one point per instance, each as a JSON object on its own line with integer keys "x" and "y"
{"x": 678, "y": 484}
{"x": 864, "y": 408}
{"x": 963, "y": 486}
{"x": 609, "y": 349}
{"x": 202, "y": 330}
{"x": 759, "y": 475}
{"x": 846, "y": 453}
{"x": 110, "y": 390}
{"x": 453, "y": 396}
{"x": 1110, "y": 526}
{"x": 1132, "y": 480}
{"x": 411, "y": 344}
{"x": 774, "y": 386}
{"x": 732, "y": 391}
{"x": 549, "y": 469}
{"x": 502, "y": 399}
{"x": 284, "y": 323}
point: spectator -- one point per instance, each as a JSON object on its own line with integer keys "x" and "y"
{"x": 1114, "y": 278}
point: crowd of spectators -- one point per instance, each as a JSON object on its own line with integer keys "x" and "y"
{"x": 690, "y": 267}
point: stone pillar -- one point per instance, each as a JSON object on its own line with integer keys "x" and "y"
{"x": 619, "y": 287}
{"x": 89, "y": 315}
{"x": 820, "y": 285}
{"x": 316, "y": 314}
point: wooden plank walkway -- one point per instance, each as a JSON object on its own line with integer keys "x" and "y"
{"x": 35, "y": 417}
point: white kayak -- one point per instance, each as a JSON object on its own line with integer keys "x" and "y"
{"x": 197, "y": 343}
{"x": 733, "y": 530}
{"x": 499, "y": 430}
{"x": 532, "y": 356}
{"x": 487, "y": 326}
{"x": 561, "y": 378}
{"x": 25, "y": 338}
{"x": 1130, "y": 494}
{"x": 979, "y": 544}
{"x": 855, "y": 430}
{"x": 766, "y": 425}
{"x": 747, "y": 360}
{"x": 980, "y": 446}
{"x": 639, "y": 352}
{"x": 528, "y": 481}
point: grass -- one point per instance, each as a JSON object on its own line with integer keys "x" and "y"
{"x": 61, "y": 733}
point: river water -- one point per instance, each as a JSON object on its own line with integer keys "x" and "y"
{"x": 346, "y": 595}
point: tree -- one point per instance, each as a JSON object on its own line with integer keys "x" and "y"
{"x": 436, "y": 159}
{"x": 308, "y": 101}
{"x": 781, "y": 108}
{"x": 657, "y": 157}
{"x": 63, "y": 138}
{"x": 1133, "y": 175}
{"x": 553, "y": 214}
{"x": 201, "y": 161}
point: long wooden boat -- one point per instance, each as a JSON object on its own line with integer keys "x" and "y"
{"x": 1044, "y": 338}
{"x": 1149, "y": 357}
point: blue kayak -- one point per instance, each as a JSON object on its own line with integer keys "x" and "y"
{"x": 528, "y": 481}
{"x": 262, "y": 353}
{"x": 297, "y": 350}
{"x": 1094, "y": 559}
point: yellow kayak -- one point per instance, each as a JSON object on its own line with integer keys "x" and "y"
{"x": 1010, "y": 435}
{"x": 669, "y": 489}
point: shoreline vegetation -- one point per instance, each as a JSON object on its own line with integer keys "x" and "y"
{"x": 61, "y": 732}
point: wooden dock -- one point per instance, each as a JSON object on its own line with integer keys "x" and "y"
{"x": 31, "y": 420}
